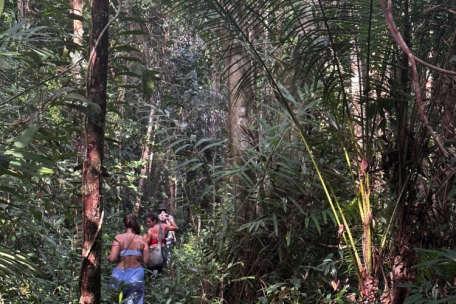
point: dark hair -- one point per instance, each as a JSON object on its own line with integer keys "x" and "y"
{"x": 153, "y": 217}
{"x": 131, "y": 222}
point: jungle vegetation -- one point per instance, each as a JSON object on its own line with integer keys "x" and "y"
{"x": 306, "y": 148}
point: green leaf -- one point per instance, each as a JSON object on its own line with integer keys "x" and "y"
{"x": 72, "y": 46}
{"x": 13, "y": 262}
{"x": 187, "y": 162}
{"x": 317, "y": 223}
{"x": 331, "y": 215}
{"x": 129, "y": 74}
{"x": 54, "y": 9}
{"x": 12, "y": 173}
{"x": 128, "y": 58}
{"x": 134, "y": 19}
{"x": 196, "y": 166}
{"x": 297, "y": 205}
{"x": 62, "y": 91}
{"x": 77, "y": 96}
{"x": 27, "y": 136}
{"x": 288, "y": 238}
{"x": 76, "y": 17}
{"x": 449, "y": 299}
{"x": 207, "y": 190}
{"x": 413, "y": 298}
{"x": 132, "y": 32}
{"x": 181, "y": 148}
{"x": 4, "y": 161}
{"x": 34, "y": 56}
{"x": 83, "y": 104}
{"x": 428, "y": 263}
{"x": 30, "y": 168}
{"x": 29, "y": 156}
{"x": 276, "y": 225}
{"x": 214, "y": 144}
{"x": 125, "y": 48}
{"x": 202, "y": 140}
{"x": 176, "y": 143}
{"x": 451, "y": 254}
{"x": 407, "y": 285}
{"x": 112, "y": 109}
{"x": 452, "y": 192}
{"x": 9, "y": 190}
{"x": 129, "y": 86}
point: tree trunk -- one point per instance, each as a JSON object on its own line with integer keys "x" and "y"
{"x": 237, "y": 118}
{"x": 405, "y": 256}
{"x": 145, "y": 156}
{"x": 23, "y": 8}
{"x": 78, "y": 138}
{"x": 78, "y": 32}
{"x": 90, "y": 276}
{"x": 171, "y": 184}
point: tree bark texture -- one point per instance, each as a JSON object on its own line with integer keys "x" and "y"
{"x": 78, "y": 32}
{"x": 90, "y": 276}
{"x": 172, "y": 187}
{"x": 78, "y": 137}
{"x": 237, "y": 119}
{"x": 145, "y": 156}
{"x": 23, "y": 8}
{"x": 78, "y": 29}
{"x": 237, "y": 123}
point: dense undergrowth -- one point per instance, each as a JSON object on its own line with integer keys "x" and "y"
{"x": 264, "y": 230}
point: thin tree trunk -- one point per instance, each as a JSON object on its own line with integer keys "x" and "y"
{"x": 144, "y": 174}
{"x": 237, "y": 122}
{"x": 237, "y": 117}
{"x": 78, "y": 32}
{"x": 23, "y": 7}
{"x": 172, "y": 195}
{"x": 78, "y": 138}
{"x": 405, "y": 256}
{"x": 90, "y": 276}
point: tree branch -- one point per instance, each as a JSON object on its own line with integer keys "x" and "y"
{"x": 387, "y": 12}
{"x": 88, "y": 250}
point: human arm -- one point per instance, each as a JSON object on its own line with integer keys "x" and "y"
{"x": 114, "y": 254}
{"x": 145, "y": 251}
{"x": 147, "y": 237}
{"x": 172, "y": 225}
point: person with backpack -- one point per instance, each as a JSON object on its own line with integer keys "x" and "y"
{"x": 156, "y": 239}
{"x": 170, "y": 236}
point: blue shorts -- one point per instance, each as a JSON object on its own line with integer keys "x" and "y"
{"x": 131, "y": 282}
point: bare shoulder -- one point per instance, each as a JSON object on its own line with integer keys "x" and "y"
{"x": 117, "y": 238}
